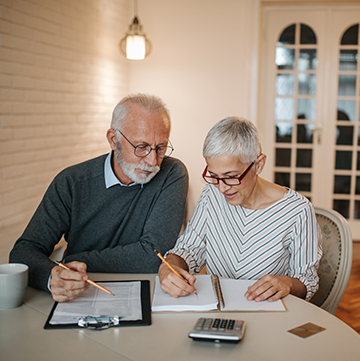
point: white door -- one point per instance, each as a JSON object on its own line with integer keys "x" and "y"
{"x": 309, "y": 114}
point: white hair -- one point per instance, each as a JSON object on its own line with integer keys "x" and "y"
{"x": 233, "y": 136}
{"x": 148, "y": 102}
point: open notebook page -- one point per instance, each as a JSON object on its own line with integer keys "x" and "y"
{"x": 205, "y": 299}
{"x": 233, "y": 292}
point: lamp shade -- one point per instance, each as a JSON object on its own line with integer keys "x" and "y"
{"x": 135, "y": 45}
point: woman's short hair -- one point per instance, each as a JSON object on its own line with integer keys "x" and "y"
{"x": 233, "y": 136}
{"x": 148, "y": 102}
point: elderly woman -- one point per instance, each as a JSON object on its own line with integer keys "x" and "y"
{"x": 245, "y": 227}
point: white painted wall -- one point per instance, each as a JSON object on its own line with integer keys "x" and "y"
{"x": 203, "y": 64}
{"x": 60, "y": 77}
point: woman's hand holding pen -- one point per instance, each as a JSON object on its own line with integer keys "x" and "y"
{"x": 66, "y": 285}
{"x": 171, "y": 283}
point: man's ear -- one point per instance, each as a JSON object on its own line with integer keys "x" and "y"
{"x": 112, "y": 138}
{"x": 260, "y": 163}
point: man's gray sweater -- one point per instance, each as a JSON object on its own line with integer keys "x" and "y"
{"x": 111, "y": 230}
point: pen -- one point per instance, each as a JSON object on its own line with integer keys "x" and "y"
{"x": 170, "y": 266}
{"x": 88, "y": 281}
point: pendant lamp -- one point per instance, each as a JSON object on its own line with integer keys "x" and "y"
{"x": 135, "y": 45}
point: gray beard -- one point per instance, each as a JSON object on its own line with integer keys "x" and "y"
{"x": 129, "y": 169}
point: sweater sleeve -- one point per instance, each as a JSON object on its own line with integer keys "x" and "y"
{"x": 48, "y": 224}
{"x": 161, "y": 229}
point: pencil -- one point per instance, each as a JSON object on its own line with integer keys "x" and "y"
{"x": 88, "y": 281}
{"x": 169, "y": 265}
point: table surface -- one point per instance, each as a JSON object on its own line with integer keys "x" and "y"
{"x": 22, "y": 336}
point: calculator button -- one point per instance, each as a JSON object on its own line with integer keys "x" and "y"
{"x": 231, "y": 325}
{"x": 238, "y": 325}
{"x": 223, "y": 325}
{"x": 200, "y": 323}
{"x": 215, "y": 324}
{"x": 207, "y": 324}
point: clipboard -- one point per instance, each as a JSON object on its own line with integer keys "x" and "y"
{"x": 145, "y": 308}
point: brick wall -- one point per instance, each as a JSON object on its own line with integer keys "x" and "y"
{"x": 60, "y": 76}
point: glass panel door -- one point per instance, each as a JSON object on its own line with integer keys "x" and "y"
{"x": 309, "y": 114}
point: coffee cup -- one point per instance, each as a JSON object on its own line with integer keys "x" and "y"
{"x": 13, "y": 284}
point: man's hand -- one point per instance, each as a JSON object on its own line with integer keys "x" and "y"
{"x": 66, "y": 285}
{"x": 273, "y": 288}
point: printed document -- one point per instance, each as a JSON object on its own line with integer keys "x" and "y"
{"x": 93, "y": 302}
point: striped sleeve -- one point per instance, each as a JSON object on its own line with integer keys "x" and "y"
{"x": 191, "y": 245}
{"x": 306, "y": 250}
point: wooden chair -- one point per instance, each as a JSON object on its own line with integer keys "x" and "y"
{"x": 335, "y": 264}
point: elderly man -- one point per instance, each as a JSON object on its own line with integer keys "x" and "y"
{"x": 113, "y": 210}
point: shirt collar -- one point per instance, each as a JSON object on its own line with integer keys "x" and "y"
{"x": 110, "y": 177}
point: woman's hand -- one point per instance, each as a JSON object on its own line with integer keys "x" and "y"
{"x": 171, "y": 283}
{"x": 272, "y": 288}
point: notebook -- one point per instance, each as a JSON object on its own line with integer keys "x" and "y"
{"x": 213, "y": 294}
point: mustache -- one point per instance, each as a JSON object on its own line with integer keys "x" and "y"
{"x": 148, "y": 168}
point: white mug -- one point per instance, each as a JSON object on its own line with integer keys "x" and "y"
{"x": 13, "y": 284}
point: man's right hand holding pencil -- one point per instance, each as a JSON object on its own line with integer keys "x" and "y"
{"x": 65, "y": 284}
{"x": 174, "y": 278}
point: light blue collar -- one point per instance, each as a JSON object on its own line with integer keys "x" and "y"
{"x": 110, "y": 177}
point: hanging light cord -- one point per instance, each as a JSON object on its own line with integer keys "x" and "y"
{"x": 135, "y": 8}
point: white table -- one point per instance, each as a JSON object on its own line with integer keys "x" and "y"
{"x": 22, "y": 336}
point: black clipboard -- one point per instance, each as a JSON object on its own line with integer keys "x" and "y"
{"x": 145, "y": 306}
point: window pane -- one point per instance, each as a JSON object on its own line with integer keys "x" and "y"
{"x": 307, "y": 59}
{"x": 283, "y": 132}
{"x": 357, "y": 189}
{"x": 304, "y": 158}
{"x": 350, "y": 36}
{"x": 346, "y": 110}
{"x": 285, "y": 58}
{"x": 282, "y": 178}
{"x": 287, "y": 36}
{"x": 284, "y": 84}
{"x": 342, "y": 206}
{"x": 306, "y": 84}
{"x": 307, "y": 36}
{"x": 284, "y": 108}
{"x": 344, "y": 135}
{"x": 347, "y": 85}
{"x": 358, "y": 161}
{"x": 342, "y": 184}
{"x": 282, "y": 157}
{"x": 343, "y": 159}
{"x": 357, "y": 210}
{"x": 306, "y": 109}
{"x": 348, "y": 60}
{"x": 305, "y": 133}
{"x": 303, "y": 182}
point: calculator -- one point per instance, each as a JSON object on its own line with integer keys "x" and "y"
{"x": 218, "y": 329}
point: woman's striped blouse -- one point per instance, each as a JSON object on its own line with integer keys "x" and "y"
{"x": 235, "y": 242}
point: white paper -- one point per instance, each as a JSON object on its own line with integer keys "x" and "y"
{"x": 205, "y": 299}
{"x": 233, "y": 292}
{"x": 93, "y": 302}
